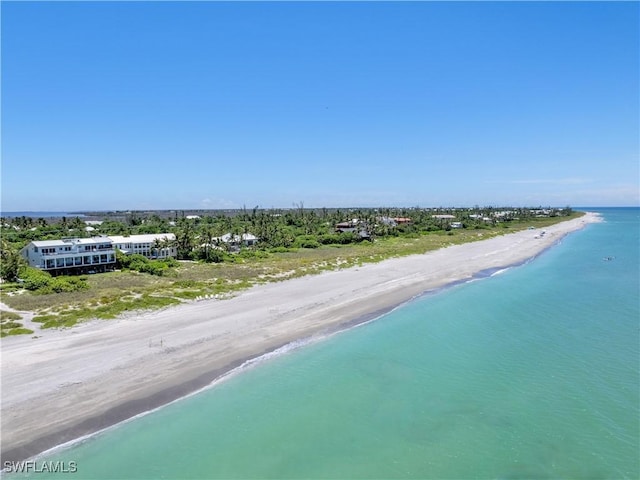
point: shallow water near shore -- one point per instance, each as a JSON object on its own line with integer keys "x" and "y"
{"x": 532, "y": 373}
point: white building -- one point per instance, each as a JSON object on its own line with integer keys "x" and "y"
{"x": 153, "y": 245}
{"x": 246, "y": 239}
{"x": 71, "y": 255}
{"x": 232, "y": 242}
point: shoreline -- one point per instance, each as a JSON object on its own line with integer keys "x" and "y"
{"x": 50, "y": 385}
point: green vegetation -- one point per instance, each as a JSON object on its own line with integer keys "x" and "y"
{"x": 42, "y": 282}
{"x": 140, "y": 263}
{"x": 106, "y": 307}
{"x": 292, "y": 243}
{"x": 10, "y": 326}
{"x": 9, "y": 316}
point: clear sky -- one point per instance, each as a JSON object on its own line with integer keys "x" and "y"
{"x": 144, "y": 105}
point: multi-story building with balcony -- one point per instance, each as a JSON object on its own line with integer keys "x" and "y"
{"x": 71, "y": 255}
{"x": 153, "y": 245}
{"x": 96, "y": 254}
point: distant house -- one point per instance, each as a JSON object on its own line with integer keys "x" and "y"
{"x": 388, "y": 221}
{"x": 456, "y": 224}
{"x": 192, "y": 217}
{"x": 234, "y": 242}
{"x": 402, "y": 220}
{"x": 443, "y": 217}
{"x": 71, "y": 255}
{"x": 154, "y": 245}
{"x": 346, "y": 227}
{"x": 355, "y": 227}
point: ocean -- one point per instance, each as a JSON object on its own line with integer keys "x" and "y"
{"x": 40, "y": 214}
{"x": 529, "y": 373}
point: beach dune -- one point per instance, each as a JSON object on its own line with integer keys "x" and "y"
{"x": 74, "y": 382}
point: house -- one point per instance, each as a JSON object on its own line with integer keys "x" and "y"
{"x": 152, "y": 245}
{"x": 353, "y": 227}
{"x": 349, "y": 226}
{"x": 456, "y": 224}
{"x": 246, "y": 239}
{"x": 443, "y": 217}
{"x": 233, "y": 242}
{"x": 71, "y": 255}
{"x": 388, "y": 221}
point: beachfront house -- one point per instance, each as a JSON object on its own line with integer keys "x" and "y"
{"x": 153, "y": 245}
{"x": 71, "y": 255}
{"x": 234, "y": 242}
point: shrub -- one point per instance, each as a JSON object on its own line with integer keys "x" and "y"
{"x": 34, "y": 279}
{"x": 339, "y": 238}
{"x": 9, "y": 325}
{"x": 306, "y": 241}
{"x": 170, "y": 262}
{"x": 279, "y": 250}
{"x": 15, "y": 331}
{"x": 155, "y": 268}
{"x": 6, "y": 316}
{"x": 247, "y": 253}
{"x": 68, "y": 284}
{"x": 142, "y": 264}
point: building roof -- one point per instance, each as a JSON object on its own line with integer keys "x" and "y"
{"x": 144, "y": 238}
{"x": 70, "y": 241}
{"x": 228, "y": 237}
{"x": 49, "y": 243}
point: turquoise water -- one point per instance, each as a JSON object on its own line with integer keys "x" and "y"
{"x": 532, "y": 373}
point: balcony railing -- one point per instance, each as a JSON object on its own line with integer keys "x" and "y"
{"x": 78, "y": 252}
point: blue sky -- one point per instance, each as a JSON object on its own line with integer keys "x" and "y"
{"x": 146, "y": 105}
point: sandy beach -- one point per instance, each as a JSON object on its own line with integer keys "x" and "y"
{"x": 70, "y": 383}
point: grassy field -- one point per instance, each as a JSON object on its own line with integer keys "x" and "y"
{"x": 114, "y": 293}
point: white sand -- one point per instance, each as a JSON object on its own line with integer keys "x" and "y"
{"x": 52, "y": 383}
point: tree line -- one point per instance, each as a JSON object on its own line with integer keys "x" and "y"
{"x": 277, "y": 230}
